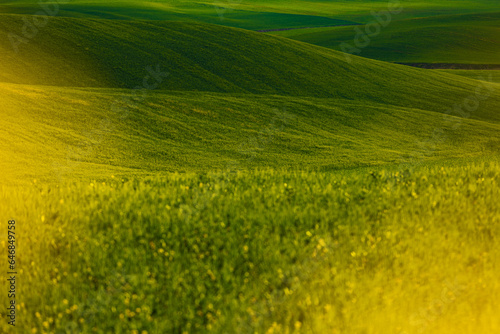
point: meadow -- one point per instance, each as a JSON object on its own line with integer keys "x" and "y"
{"x": 401, "y": 250}
{"x": 171, "y": 169}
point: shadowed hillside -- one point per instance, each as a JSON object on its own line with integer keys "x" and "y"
{"x": 463, "y": 39}
{"x": 202, "y": 57}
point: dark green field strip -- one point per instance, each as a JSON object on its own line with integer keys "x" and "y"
{"x": 467, "y": 39}
{"x": 450, "y": 66}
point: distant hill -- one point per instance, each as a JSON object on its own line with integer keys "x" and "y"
{"x": 464, "y": 39}
{"x": 255, "y": 14}
{"x": 211, "y": 58}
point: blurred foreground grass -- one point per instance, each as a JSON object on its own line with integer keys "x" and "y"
{"x": 362, "y": 251}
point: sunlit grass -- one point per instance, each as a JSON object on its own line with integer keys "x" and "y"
{"x": 362, "y": 251}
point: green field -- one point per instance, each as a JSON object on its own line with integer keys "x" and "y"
{"x": 461, "y": 38}
{"x": 193, "y": 132}
{"x": 267, "y": 251}
{"x": 172, "y": 170}
{"x": 489, "y": 75}
{"x": 358, "y": 11}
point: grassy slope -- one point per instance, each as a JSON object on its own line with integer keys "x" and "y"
{"x": 451, "y": 38}
{"x": 255, "y": 15}
{"x": 190, "y": 11}
{"x": 202, "y": 57}
{"x": 488, "y": 75}
{"x": 444, "y": 39}
{"x": 193, "y": 131}
{"x": 349, "y": 122}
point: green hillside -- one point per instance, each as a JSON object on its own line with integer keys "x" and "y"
{"x": 225, "y": 13}
{"x": 217, "y": 104}
{"x": 104, "y": 132}
{"x": 203, "y": 57}
{"x": 472, "y": 38}
{"x": 489, "y": 75}
{"x": 255, "y": 15}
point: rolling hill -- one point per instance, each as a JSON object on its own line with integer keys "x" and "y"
{"x": 254, "y": 15}
{"x": 217, "y": 105}
{"x": 464, "y": 39}
{"x": 97, "y": 133}
{"x": 490, "y": 75}
{"x": 83, "y": 53}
